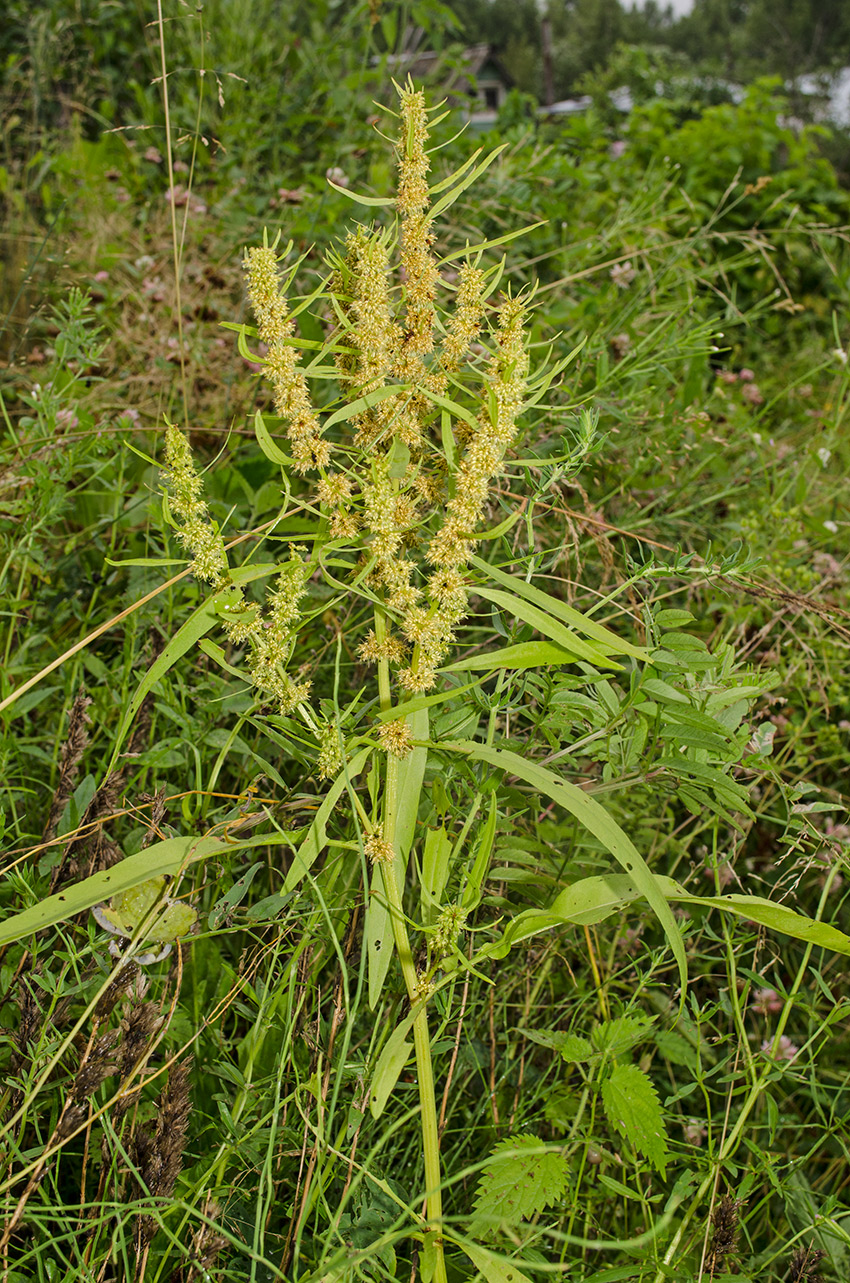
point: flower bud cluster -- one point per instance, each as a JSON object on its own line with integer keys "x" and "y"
{"x": 378, "y": 849}
{"x": 270, "y": 638}
{"x": 272, "y": 645}
{"x": 276, "y": 329}
{"x": 417, "y": 261}
{"x": 390, "y": 499}
{"x": 196, "y": 532}
{"x": 465, "y": 324}
{"x": 448, "y": 927}
{"x": 395, "y": 738}
{"x": 330, "y": 757}
{"x": 432, "y": 630}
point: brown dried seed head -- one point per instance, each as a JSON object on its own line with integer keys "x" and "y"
{"x": 97, "y": 1066}
{"x": 803, "y": 1266}
{"x": 724, "y": 1232}
{"x": 139, "y": 1026}
{"x": 118, "y": 986}
{"x": 70, "y": 756}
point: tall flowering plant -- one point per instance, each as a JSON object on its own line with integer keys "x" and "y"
{"x": 401, "y": 474}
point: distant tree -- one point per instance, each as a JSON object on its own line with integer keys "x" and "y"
{"x": 793, "y": 37}
{"x": 585, "y": 34}
{"x": 512, "y": 29}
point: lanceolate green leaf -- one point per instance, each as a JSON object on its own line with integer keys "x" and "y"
{"x": 597, "y": 632}
{"x": 591, "y": 900}
{"x": 164, "y": 859}
{"x": 361, "y": 200}
{"x": 352, "y": 408}
{"x": 531, "y": 654}
{"x": 314, "y": 843}
{"x": 468, "y": 179}
{"x": 597, "y": 821}
{"x": 267, "y": 444}
{"x": 551, "y": 628}
{"x": 411, "y": 773}
{"x": 393, "y": 1058}
{"x": 776, "y": 917}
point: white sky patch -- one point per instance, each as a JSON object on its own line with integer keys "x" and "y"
{"x": 679, "y": 7}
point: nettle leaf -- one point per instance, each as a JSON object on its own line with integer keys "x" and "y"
{"x": 620, "y": 1035}
{"x": 576, "y": 1050}
{"x": 521, "y": 1177}
{"x": 632, "y": 1108}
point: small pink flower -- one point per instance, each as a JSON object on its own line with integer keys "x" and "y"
{"x": 767, "y": 1000}
{"x": 180, "y": 167}
{"x": 727, "y": 376}
{"x": 746, "y": 376}
{"x": 101, "y": 276}
{"x": 152, "y": 154}
{"x": 66, "y": 419}
{"x": 622, "y": 274}
{"x": 752, "y": 393}
{"x": 695, "y": 1132}
{"x": 784, "y": 1051}
{"x": 725, "y": 873}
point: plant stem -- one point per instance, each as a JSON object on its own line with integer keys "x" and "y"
{"x": 393, "y": 879}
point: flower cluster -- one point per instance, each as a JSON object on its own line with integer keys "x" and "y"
{"x": 465, "y": 325}
{"x": 378, "y": 849}
{"x": 271, "y": 636}
{"x": 395, "y": 738}
{"x": 196, "y": 531}
{"x": 276, "y": 329}
{"x": 417, "y": 261}
{"x": 431, "y": 631}
{"x": 410, "y": 514}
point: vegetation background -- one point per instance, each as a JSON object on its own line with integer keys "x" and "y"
{"x": 206, "y": 1115}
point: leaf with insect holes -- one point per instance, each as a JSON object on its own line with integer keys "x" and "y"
{"x": 632, "y": 1108}
{"x": 520, "y": 1178}
{"x": 148, "y": 909}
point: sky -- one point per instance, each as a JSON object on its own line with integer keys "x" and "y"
{"x": 679, "y": 7}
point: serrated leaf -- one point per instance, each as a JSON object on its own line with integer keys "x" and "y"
{"x": 576, "y": 1050}
{"x": 632, "y": 1108}
{"x": 520, "y": 1178}
{"x": 620, "y": 1035}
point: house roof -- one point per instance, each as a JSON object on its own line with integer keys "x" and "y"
{"x": 452, "y": 70}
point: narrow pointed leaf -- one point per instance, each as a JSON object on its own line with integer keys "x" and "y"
{"x": 592, "y": 816}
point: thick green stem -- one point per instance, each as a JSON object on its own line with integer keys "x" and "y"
{"x": 393, "y": 879}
